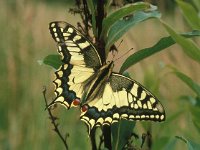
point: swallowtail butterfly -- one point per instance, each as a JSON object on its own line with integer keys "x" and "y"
{"x": 104, "y": 96}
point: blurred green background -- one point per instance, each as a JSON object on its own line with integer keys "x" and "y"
{"x": 25, "y": 40}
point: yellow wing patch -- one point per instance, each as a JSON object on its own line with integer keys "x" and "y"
{"x": 131, "y": 101}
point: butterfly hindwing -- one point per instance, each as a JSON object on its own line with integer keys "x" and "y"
{"x": 80, "y": 61}
{"x": 123, "y": 98}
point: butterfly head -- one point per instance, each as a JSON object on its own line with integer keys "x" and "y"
{"x": 109, "y": 64}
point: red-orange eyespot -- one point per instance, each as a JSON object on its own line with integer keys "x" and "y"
{"x": 76, "y": 102}
{"x": 84, "y": 108}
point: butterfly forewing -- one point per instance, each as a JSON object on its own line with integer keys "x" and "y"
{"x": 123, "y": 98}
{"x": 80, "y": 61}
{"x": 73, "y": 46}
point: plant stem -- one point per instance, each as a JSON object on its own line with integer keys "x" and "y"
{"x": 107, "y": 137}
{"x": 92, "y": 139}
{"x": 53, "y": 121}
{"x": 99, "y": 21}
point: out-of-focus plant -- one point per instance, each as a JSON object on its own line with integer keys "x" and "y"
{"x": 191, "y": 13}
{"x": 108, "y": 27}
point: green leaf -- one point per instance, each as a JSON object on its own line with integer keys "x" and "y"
{"x": 188, "y": 46}
{"x": 189, "y": 99}
{"x": 121, "y": 132}
{"x": 122, "y": 26}
{"x": 197, "y": 4}
{"x": 107, "y": 5}
{"x": 197, "y": 125}
{"x": 160, "y": 143}
{"x": 53, "y": 61}
{"x": 120, "y": 13}
{"x": 171, "y": 118}
{"x": 190, "y": 144}
{"x": 195, "y": 111}
{"x": 170, "y": 145}
{"x": 193, "y": 85}
{"x": 181, "y": 138}
{"x": 159, "y": 46}
{"x": 190, "y": 14}
{"x": 93, "y": 12}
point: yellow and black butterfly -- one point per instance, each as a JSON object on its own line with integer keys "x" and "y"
{"x": 104, "y": 96}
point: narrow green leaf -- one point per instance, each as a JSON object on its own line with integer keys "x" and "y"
{"x": 121, "y": 132}
{"x": 189, "y": 99}
{"x": 159, "y": 46}
{"x": 190, "y": 144}
{"x": 191, "y": 34}
{"x": 120, "y": 13}
{"x": 107, "y": 5}
{"x": 197, "y": 125}
{"x": 190, "y": 14}
{"x": 93, "y": 12}
{"x": 160, "y": 143}
{"x": 193, "y": 85}
{"x": 171, "y": 118}
{"x": 188, "y": 46}
{"x": 53, "y": 61}
{"x": 122, "y": 26}
{"x": 170, "y": 145}
{"x": 197, "y": 4}
{"x": 195, "y": 111}
{"x": 181, "y": 138}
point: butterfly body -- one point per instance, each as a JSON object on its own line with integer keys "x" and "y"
{"x": 94, "y": 88}
{"x": 105, "y": 97}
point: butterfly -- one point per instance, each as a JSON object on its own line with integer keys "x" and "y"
{"x": 84, "y": 80}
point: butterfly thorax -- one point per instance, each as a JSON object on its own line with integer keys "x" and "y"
{"x": 96, "y": 85}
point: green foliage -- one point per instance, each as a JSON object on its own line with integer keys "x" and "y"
{"x": 120, "y": 13}
{"x": 53, "y": 60}
{"x": 187, "y": 80}
{"x": 161, "y": 143}
{"x": 190, "y": 14}
{"x": 188, "y": 46}
{"x": 193, "y": 101}
{"x": 121, "y": 132}
{"x": 195, "y": 111}
{"x": 190, "y": 144}
{"x": 115, "y": 25}
{"x": 196, "y": 4}
{"x": 162, "y": 44}
{"x": 193, "y": 51}
{"x": 24, "y": 121}
{"x": 92, "y": 9}
{"x": 120, "y": 27}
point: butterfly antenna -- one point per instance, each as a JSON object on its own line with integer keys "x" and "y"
{"x": 113, "y": 54}
{"x": 120, "y": 43}
{"x": 124, "y": 54}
